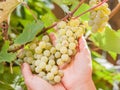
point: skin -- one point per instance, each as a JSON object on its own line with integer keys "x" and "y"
{"x": 77, "y": 75}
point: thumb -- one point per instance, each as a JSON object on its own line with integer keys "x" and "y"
{"x": 27, "y": 74}
{"x": 83, "y": 45}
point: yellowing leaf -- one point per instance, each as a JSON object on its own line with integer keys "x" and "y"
{"x": 6, "y": 7}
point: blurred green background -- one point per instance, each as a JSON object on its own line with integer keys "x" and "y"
{"x": 104, "y": 47}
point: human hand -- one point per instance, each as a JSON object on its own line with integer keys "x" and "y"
{"x": 78, "y": 74}
{"x": 34, "y": 82}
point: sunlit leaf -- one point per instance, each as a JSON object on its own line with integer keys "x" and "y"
{"x": 108, "y": 40}
{"x": 6, "y": 7}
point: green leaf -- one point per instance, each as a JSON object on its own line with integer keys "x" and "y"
{"x": 29, "y": 32}
{"x": 108, "y": 40}
{"x": 4, "y": 55}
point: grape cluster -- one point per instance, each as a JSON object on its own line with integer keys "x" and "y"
{"x": 45, "y": 58}
{"x": 99, "y": 16}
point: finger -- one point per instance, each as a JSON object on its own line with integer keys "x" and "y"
{"x": 83, "y": 45}
{"x": 53, "y": 38}
{"x": 27, "y": 74}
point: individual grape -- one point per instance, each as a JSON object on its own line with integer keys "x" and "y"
{"x": 71, "y": 39}
{"x": 32, "y": 67}
{"x": 38, "y": 69}
{"x": 32, "y": 46}
{"x": 63, "y": 49}
{"x": 48, "y": 45}
{"x": 65, "y": 57}
{"x": 46, "y": 53}
{"x": 72, "y": 45}
{"x": 60, "y": 62}
{"x": 58, "y": 46}
{"x": 57, "y": 78}
{"x": 28, "y": 53}
{"x": 42, "y": 44}
{"x": 45, "y": 38}
{"x": 51, "y": 62}
{"x": 42, "y": 65}
{"x": 79, "y": 33}
{"x": 60, "y": 73}
{"x": 44, "y": 59}
{"x": 69, "y": 33}
{"x": 50, "y": 76}
{"x": 57, "y": 54}
{"x": 70, "y": 52}
{"x": 21, "y": 54}
{"x": 37, "y": 62}
{"x": 38, "y": 50}
{"x": 48, "y": 67}
{"x": 53, "y": 50}
{"x": 51, "y": 57}
{"x": 65, "y": 43}
{"x": 12, "y": 35}
{"x": 41, "y": 74}
{"x": 54, "y": 70}
{"x": 28, "y": 59}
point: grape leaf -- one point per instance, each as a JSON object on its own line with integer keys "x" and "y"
{"x": 108, "y": 40}
{"x": 4, "y": 55}
{"x": 29, "y": 32}
{"x": 6, "y": 7}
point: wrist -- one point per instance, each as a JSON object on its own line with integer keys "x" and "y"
{"x": 87, "y": 85}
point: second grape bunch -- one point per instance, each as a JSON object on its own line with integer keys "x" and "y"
{"x": 45, "y": 58}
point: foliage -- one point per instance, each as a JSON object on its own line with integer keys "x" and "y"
{"x": 23, "y": 25}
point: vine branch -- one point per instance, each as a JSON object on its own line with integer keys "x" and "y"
{"x": 69, "y": 15}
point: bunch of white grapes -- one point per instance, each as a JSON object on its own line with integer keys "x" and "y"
{"x": 45, "y": 58}
{"x": 99, "y": 16}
